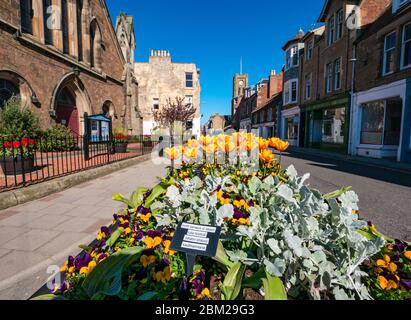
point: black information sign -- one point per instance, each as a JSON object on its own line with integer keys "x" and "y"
{"x": 195, "y": 240}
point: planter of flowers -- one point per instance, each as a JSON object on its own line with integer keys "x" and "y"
{"x": 120, "y": 143}
{"x": 17, "y": 157}
{"x": 280, "y": 239}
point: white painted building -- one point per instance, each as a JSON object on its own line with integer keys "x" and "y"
{"x": 377, "y": 121}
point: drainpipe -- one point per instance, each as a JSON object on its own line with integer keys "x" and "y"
{"x": 351, "y": 130}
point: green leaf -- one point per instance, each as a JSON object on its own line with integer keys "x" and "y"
{"x": 231, "y": 286}
{"x": 255, "y": 185}
{"x": 147, "y": 296}
{"x": 222, "y": 256}
{"x": 120, "y": 198}
{"x": 106, "y": 276}
{"x": 274, "y": 288}
{"x": 114, "y": 237}
{"x": 137, "y": 197}
{"x": 336, "y": 194}
{"x": 48, "y": 297}
{"x": 157, "y": 191}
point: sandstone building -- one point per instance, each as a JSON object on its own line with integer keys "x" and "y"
{"x": 160, "y": 79}
{"x": 63, "y": 58}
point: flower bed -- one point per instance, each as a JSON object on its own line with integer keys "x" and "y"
{"x": 280, "y": 239}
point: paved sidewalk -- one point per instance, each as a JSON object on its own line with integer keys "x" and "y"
{"x": 42, "y": 233}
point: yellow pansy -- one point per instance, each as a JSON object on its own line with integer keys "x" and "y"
{"x": 152, "y": 243}
{"x": 407, "y": 254}
{"x": 163, "y": 276}
{"x": 147, "y": 260}
{"x": 167, "y": 250}
{"x": 146, "y": 217}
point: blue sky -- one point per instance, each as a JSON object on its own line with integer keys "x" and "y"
{"x": 216, "y": 34}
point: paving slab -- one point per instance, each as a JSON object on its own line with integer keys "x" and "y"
{"x": 31, "y": 240}
{"x": 42, "y": 233}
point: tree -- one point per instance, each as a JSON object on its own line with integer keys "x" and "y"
{"x": 174, "y": 112}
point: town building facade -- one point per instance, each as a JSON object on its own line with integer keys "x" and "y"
{"x": 161, "y": 79}
{"x": 381, "y": 116}
{"x": 217, "y": 124}
{"x": 290, "y": 114}
{"x": 63, "y": 59}
{"x": 326, "y": 72}
{"x": 269, "y": 101}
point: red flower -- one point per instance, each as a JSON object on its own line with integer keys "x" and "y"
{"x": 16, "y": 144}
{"x": 32, "y": 142}
{"x": 24, "y": 142}
{"x": 8, "y": 145}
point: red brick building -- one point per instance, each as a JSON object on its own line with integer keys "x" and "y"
{"x": 381, "y": 115}
{"x": 326, "y": 71}
{"x": 63, "y": 58}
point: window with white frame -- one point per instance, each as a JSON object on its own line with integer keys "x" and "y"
{"x": 291, "y": 91}
{"x": 310, "y": 48}
{"x": 337, "y": 74}
{"x": 340, "y": 25}
{"x": 292, "y": 57}
{"x": 399, "y": 4}
{"x": 308, "y": 78}
{"x": 406, "y": 46}
{"x": 286, "y": 92}
{"x": 331, "y": 31}
{"x": 328, "y": 77}
{"x": 389, "y": 53}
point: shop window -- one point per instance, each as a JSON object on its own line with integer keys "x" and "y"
{"x": 292, "y": 128}
{"x": 381, "y": 122}
{"x": 333, "y": 129}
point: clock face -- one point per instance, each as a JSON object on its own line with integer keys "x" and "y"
{"x": 241, "y": 83}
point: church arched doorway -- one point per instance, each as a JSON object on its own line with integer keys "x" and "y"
{"x": 67, "y": 113}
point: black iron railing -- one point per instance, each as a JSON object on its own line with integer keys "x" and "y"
{"x": 26, "y": 161}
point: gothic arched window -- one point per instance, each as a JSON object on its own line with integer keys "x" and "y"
{"x": 95, "y": 44}
{"x": 26, "y": 12}
{"x": 65, "y": 25}
{"x": 79, "y": 15}
{"x": 7, "y": 90}
{"x": 47, "y": 14}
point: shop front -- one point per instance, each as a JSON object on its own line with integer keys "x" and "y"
{"x": 378, "y": 124}
{"x": 290, "y": 125}
{"x": 326, "y": 124}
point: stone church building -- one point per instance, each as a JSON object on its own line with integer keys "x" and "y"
{"x": 64, "y": 58}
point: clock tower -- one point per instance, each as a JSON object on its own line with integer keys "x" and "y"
{"x": 240, "y": 83}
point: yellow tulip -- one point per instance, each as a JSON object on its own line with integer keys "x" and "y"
{"x": 282, "y": 145}
{"x": 173, "y": 153}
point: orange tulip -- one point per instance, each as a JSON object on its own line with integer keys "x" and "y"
{"x": 273, "y": 142}
{"x": 282, "y": 145}
{"x": 173, "y": 153}
{"x": 264, "y": 144}
{"x": 267, "y": 156}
